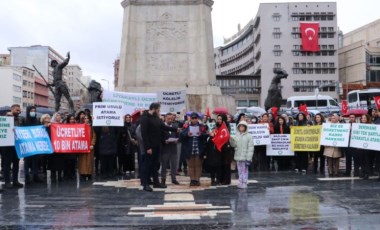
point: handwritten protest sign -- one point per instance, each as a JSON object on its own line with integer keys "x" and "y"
{"x": 280, "y": 145}
{"x": 131, "y": 101}
{"x": 172, "y": 101}
{"x": 108, "y": 114}
{"x": 336, "y": 135}
{"x": 32, "y": 140}
{"x": 71, "y": 138}
{"x": 306, "y": 138}
{"x": 260, "y": 133}
{"x": 7, "y": 136}
{"x": 365, "y": 136}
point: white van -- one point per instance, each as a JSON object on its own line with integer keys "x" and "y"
{"x": 323, "y": 103}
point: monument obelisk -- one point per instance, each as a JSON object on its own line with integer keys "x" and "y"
{"x": 168, "y": 45}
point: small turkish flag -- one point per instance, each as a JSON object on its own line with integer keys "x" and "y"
{"x": 274, "y": 112}
{"x": 208, "y": 113}
{"x": 309, "y": 34}
{"x": 344, "y": 107}
{"x": 222, "y": 135}
{"x": 377, "y": 101}
{"x": 303, "y": 109}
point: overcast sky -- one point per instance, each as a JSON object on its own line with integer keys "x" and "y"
{"x": 91, "y": 29}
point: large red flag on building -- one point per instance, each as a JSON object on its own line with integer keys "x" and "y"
{"x": 309, "y": 34}
{"x": 344, "y": 107}
{"x": 377, "y": 101}
{"x": 222, "y": 135}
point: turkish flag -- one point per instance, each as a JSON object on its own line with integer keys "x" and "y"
{"x": 309, "y": 34}
{"x": 222, "y": 135}
{"x": 377, "y": 101}
{"x": 208, "y": 113}
{"x": 344, "y": 107}
{"x": 303, "y": 109}
{"x": 274, "y": 112}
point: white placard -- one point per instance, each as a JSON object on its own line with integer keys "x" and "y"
{"x": 172, "y": 101}
{"x": 7, "y": 136}
{"x": 280, "y": 145}
{"x": 260, "y": 134}
{"x": 365, "y": 136}
{"x": 194, "y": 130}
{"x": 131, "y": 101}
{"x": 233, "y": 129}
{"x": 108, "y": 114}
{"x": 335, "y": 134}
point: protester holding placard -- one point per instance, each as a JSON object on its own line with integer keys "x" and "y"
{"x": 108, "y": 136}
{"x": 283, "y": 162}
{"x": 70, "y": 160}
{"x": 9, "y": 154}
{"x": 243, "y": 144}
{"x": 261, "y": 150}
{"x": 56, "y": 161}
{"x": 31, "y": 162}
{"x": 126, "y": 155}
{"x": 194, "y": 146}
{"x": 319, "y": 120}
{"x": 45, "y": 120}
{"x": 86, "y": 160}
{"x": 333, "y": 153}
{"x": 352, "y": 154}
{"x": 301, "y": 158}
{"x": 365, "y": 154}
{"x": 169, "y": 151}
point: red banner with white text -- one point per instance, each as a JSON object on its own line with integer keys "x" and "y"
{"x": 309, "y": 34}
{"x": 70, "y": 138}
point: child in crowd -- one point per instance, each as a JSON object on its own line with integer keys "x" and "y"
{"x": 243, "y": 144}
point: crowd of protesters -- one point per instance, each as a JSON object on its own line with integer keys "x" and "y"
{"x": 166, "y": 144}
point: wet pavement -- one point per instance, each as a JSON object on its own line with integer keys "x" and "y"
{"x": 283, "y": 200}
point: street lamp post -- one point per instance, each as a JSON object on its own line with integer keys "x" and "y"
{"x": 108, "y": 83}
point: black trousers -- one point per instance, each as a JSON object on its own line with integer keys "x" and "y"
{"x": 9, "y": 156}
{"x": 319, "y": 155}
{"x": 302, "y": 160}
{"x": 352, "y": 154}
{"x": 107, "y": 163}
{"x": 151, "y": 164}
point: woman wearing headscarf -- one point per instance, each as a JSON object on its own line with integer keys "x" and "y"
{"x": 31, "y": 162}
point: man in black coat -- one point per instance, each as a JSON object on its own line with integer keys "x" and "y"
{"x": 151, "y": 127}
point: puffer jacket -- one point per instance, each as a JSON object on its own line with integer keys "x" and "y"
{"x": 243, "y": 144}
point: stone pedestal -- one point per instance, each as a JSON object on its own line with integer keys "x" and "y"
{"x": 168, "y": 44}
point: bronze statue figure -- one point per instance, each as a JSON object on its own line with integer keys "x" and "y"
{"x": 274, "y": 96}
{"x": 95, "y": 90}
{"x": 60, "y": 85}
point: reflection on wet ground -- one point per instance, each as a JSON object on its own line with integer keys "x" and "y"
{"x": 274, "y": 201}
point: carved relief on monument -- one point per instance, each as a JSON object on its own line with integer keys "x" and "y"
{"x": 166, "y": 35}
{"x": 167, "y": 64}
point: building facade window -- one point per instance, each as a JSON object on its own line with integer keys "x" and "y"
{"x": 16, "y": 88}
{"x": 276, "y": 17}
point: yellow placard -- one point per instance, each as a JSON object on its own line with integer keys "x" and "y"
{"x": 306, "y": 138}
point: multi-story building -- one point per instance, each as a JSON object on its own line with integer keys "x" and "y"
{"x": 11, "y": 86}
{"x": 28, "y": 87}
{"x": 234, "y": 67}
{"x": 39, "y": 56}
{"x": 359, "y": 58}
{"x": 78, "y": 85}
{"x": 272, "y": 40}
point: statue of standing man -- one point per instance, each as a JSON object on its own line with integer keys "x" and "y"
{"x": 59, "y": 85}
